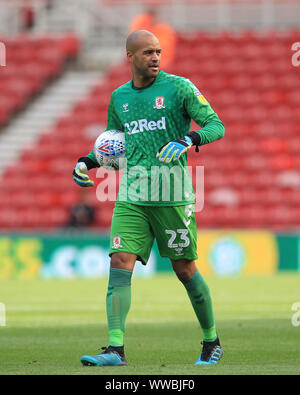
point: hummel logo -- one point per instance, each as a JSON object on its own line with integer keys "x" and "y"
{"x": 125, "y": 107}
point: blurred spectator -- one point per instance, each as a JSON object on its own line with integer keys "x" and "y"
{"x": 28, "y": 17}
{"x": 149, "y": 20}
{"x": 49, "y": 4}
{"x": 29, "y": 14}
{"x": 82, "y": 214}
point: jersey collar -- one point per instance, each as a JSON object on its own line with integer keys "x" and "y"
{"x": 145, "y": 87}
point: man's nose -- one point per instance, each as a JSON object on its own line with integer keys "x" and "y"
{"x": 155, "y": 56}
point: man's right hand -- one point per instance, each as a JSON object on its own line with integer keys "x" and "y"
{"x": 80, "y": 175}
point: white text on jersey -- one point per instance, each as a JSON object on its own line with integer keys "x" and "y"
{"x": 142, "y": 124}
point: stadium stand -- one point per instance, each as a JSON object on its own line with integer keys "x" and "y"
{"x": 33, "y": 63}
{"x": 251, "y": 176}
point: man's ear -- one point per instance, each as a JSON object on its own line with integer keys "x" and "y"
{"x": 129, "y": 56}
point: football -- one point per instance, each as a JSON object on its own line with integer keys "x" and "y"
{"x": 109, "y": 149}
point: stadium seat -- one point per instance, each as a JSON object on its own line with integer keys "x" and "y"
{"x": 33, "y": 62}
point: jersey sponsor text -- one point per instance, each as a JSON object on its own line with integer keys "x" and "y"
{"x": 142, "y": 125}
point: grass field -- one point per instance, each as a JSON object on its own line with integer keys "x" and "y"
{"x": 51, "y": 323}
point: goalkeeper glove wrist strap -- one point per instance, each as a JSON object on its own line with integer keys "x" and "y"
{"x": 90, "y": 164}
{"x": 196, "y": 139}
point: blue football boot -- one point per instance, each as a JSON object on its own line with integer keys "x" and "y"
{"x": 211, "y": 353}
{"x": 111, "y": 356}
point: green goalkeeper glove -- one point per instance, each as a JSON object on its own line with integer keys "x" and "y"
{"x": 80, "y": 175}
{"x": 173, "y": 150}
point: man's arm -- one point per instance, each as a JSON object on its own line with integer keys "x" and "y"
{"x": 85, "y": 163}
{"x": 197, "y": 108}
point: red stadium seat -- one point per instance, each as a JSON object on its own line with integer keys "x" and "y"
{"x": 31, "y": 63}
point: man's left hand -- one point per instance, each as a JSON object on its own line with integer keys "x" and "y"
{"x": 173, "y": 150}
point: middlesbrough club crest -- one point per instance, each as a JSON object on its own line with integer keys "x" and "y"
{"x": 159, "y": 102}
{"x": 117, "y": 242}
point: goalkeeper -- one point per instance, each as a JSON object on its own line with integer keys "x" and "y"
{"x": 154, "y": 110}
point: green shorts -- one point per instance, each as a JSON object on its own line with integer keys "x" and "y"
{"x": 135, "y": 227}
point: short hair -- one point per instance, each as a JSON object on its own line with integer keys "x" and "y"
{"x": 133, "y": 40}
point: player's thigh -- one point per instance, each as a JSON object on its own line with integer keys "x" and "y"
{"x": 175, "y": 230}
{"x": 131, "y": 231}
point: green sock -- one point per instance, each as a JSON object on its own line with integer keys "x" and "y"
{"x": 199, "y": 295}
{"x": 118, "y": 299}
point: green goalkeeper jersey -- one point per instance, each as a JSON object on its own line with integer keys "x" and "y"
{"x": 151, "y": 117}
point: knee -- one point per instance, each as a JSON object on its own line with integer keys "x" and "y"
{"x": 122, "y": 260}
{"x": 184, "y": 269}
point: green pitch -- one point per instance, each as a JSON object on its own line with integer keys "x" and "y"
{"x": 50, "y": 324}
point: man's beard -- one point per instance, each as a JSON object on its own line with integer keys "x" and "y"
{"x": 145, "y": 72}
